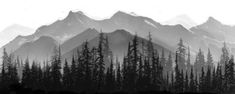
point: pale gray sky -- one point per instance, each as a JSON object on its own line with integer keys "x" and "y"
{"x": 34, "y": 13}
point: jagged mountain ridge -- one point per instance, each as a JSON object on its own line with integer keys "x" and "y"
{"x": 164, "y": 35}
{"x": 75, "y": 23}
{"x": 214, "y": 33}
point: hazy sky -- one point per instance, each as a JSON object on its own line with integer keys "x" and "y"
{"x": 34, "y": 13}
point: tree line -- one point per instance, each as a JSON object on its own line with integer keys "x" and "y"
{"x": 143, "y": 68}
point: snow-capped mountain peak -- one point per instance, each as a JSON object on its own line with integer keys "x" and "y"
{"x": 184, "y": 20}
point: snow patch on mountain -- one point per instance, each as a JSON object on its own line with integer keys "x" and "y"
{"x": 150, "y": 23}
{"x": 133, "y": 14}
{"x": 22, "y": 41}
{"x": 65, "y": 37}
{"x": 35, "y": 38}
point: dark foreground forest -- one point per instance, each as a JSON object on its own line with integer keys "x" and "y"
{"x": 143, "y": 70}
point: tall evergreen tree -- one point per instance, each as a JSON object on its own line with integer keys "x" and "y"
{"x": 119, "y": 76}
{"x": 73, "y": 73}
{"x": 147, "y": 75}
{"x": 208, "y": 79}
{"x": 188, "y": 64}
{"x": 229, "y": 77}
{"x": 47, "y": 77}
{"x": 169, "y": 64}
{"x": 186, "y": 83}
{"x": 163, "y": 59}
{"x": 100, "y": 61}
{"x": 4, "y": 76}
{"x": 56, "y": 69}
{"x": 209, "y": 58}
{"x": 66, "y": 75}
{"x": 202, "y": 83}
{"x": 140, "y": 81}
{"x": 181, "y": 55}
{"x": 224, "y": 58}
{"x": 192, "y": 84}
{"x": 110, "y": 79}
{"x": 172, "y": 82}
{"x": 219, "y": 79}
{"x": 200, "y": 61}
{"x": 12, "y": 70}
{"x": 33, "y": 74}
{"x": 26, "y": 78}
{"x": 178, "y": 76}
{"x": 214, "y": 79}
{"x": 133, "y": 61}
{"x": 86, "y": 62}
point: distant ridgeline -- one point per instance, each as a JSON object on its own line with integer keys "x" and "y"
{"x": 76, "y": 28}
{"x": 94, "y": 68}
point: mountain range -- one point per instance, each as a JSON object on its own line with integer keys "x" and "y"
{"x": 76, "y": 28}
{"x": 13, "y": 31}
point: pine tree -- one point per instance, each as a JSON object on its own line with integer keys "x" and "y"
{"x": 229, "y": 77}
{"x": 209, "y": 59}
{"x": 119, "y": 77}
{"x": 112, "y": 76}
{"x": 4, "y": 76}
{"x": 200, "y": 61}
{"x": 208, "y": 79}
{"x": 172, "y": 82}
{"x": 100, "y": 62}
{"x": 163, "y": 64}
{"x": 108, "y": 55}
{"x": 192, "y": 84}
{"x": 224, "y": 58}
{"x": 135, "y": 54}
{"x": 181, "y": 55}
{"x": 188, "y": 64}
{"x": 167, "y": 82}
{"x": 219, "y": 79}
{"x": 125, "y": 70}
{"x": 33, "y": 74}
{"x": 169, "y": 64}
{"x": 186, "y": 83}
{"x": 26, "y": 78}
{"x": 182, "y": 81}
{"x": 110, "y": 79}
{"x": 18, "y": 68}
{"x": 178, "y": 76}
{"x": 150, "y": 48}
{"x": 155, "y": 65}
{"x": 80, "y": 73}
{"x": 12, "y": 71}
{"x": 140, "y": 81}
{"x": 163, "y": 61}
{"x": 147, "y": 75}
{"x": 39, "y": 75}
{"x": 73, "y": 73}
{"x": 56, "y": 68}
{"x": 196, "y": 82}
{"x": 214, "y": 79}
{"x": 66, "y": 75}
{"x": 86, "y": 62}
{"x": 94, "y": 68}
{"x": 202, "y": 82}
{"x": 47, "y": 77}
